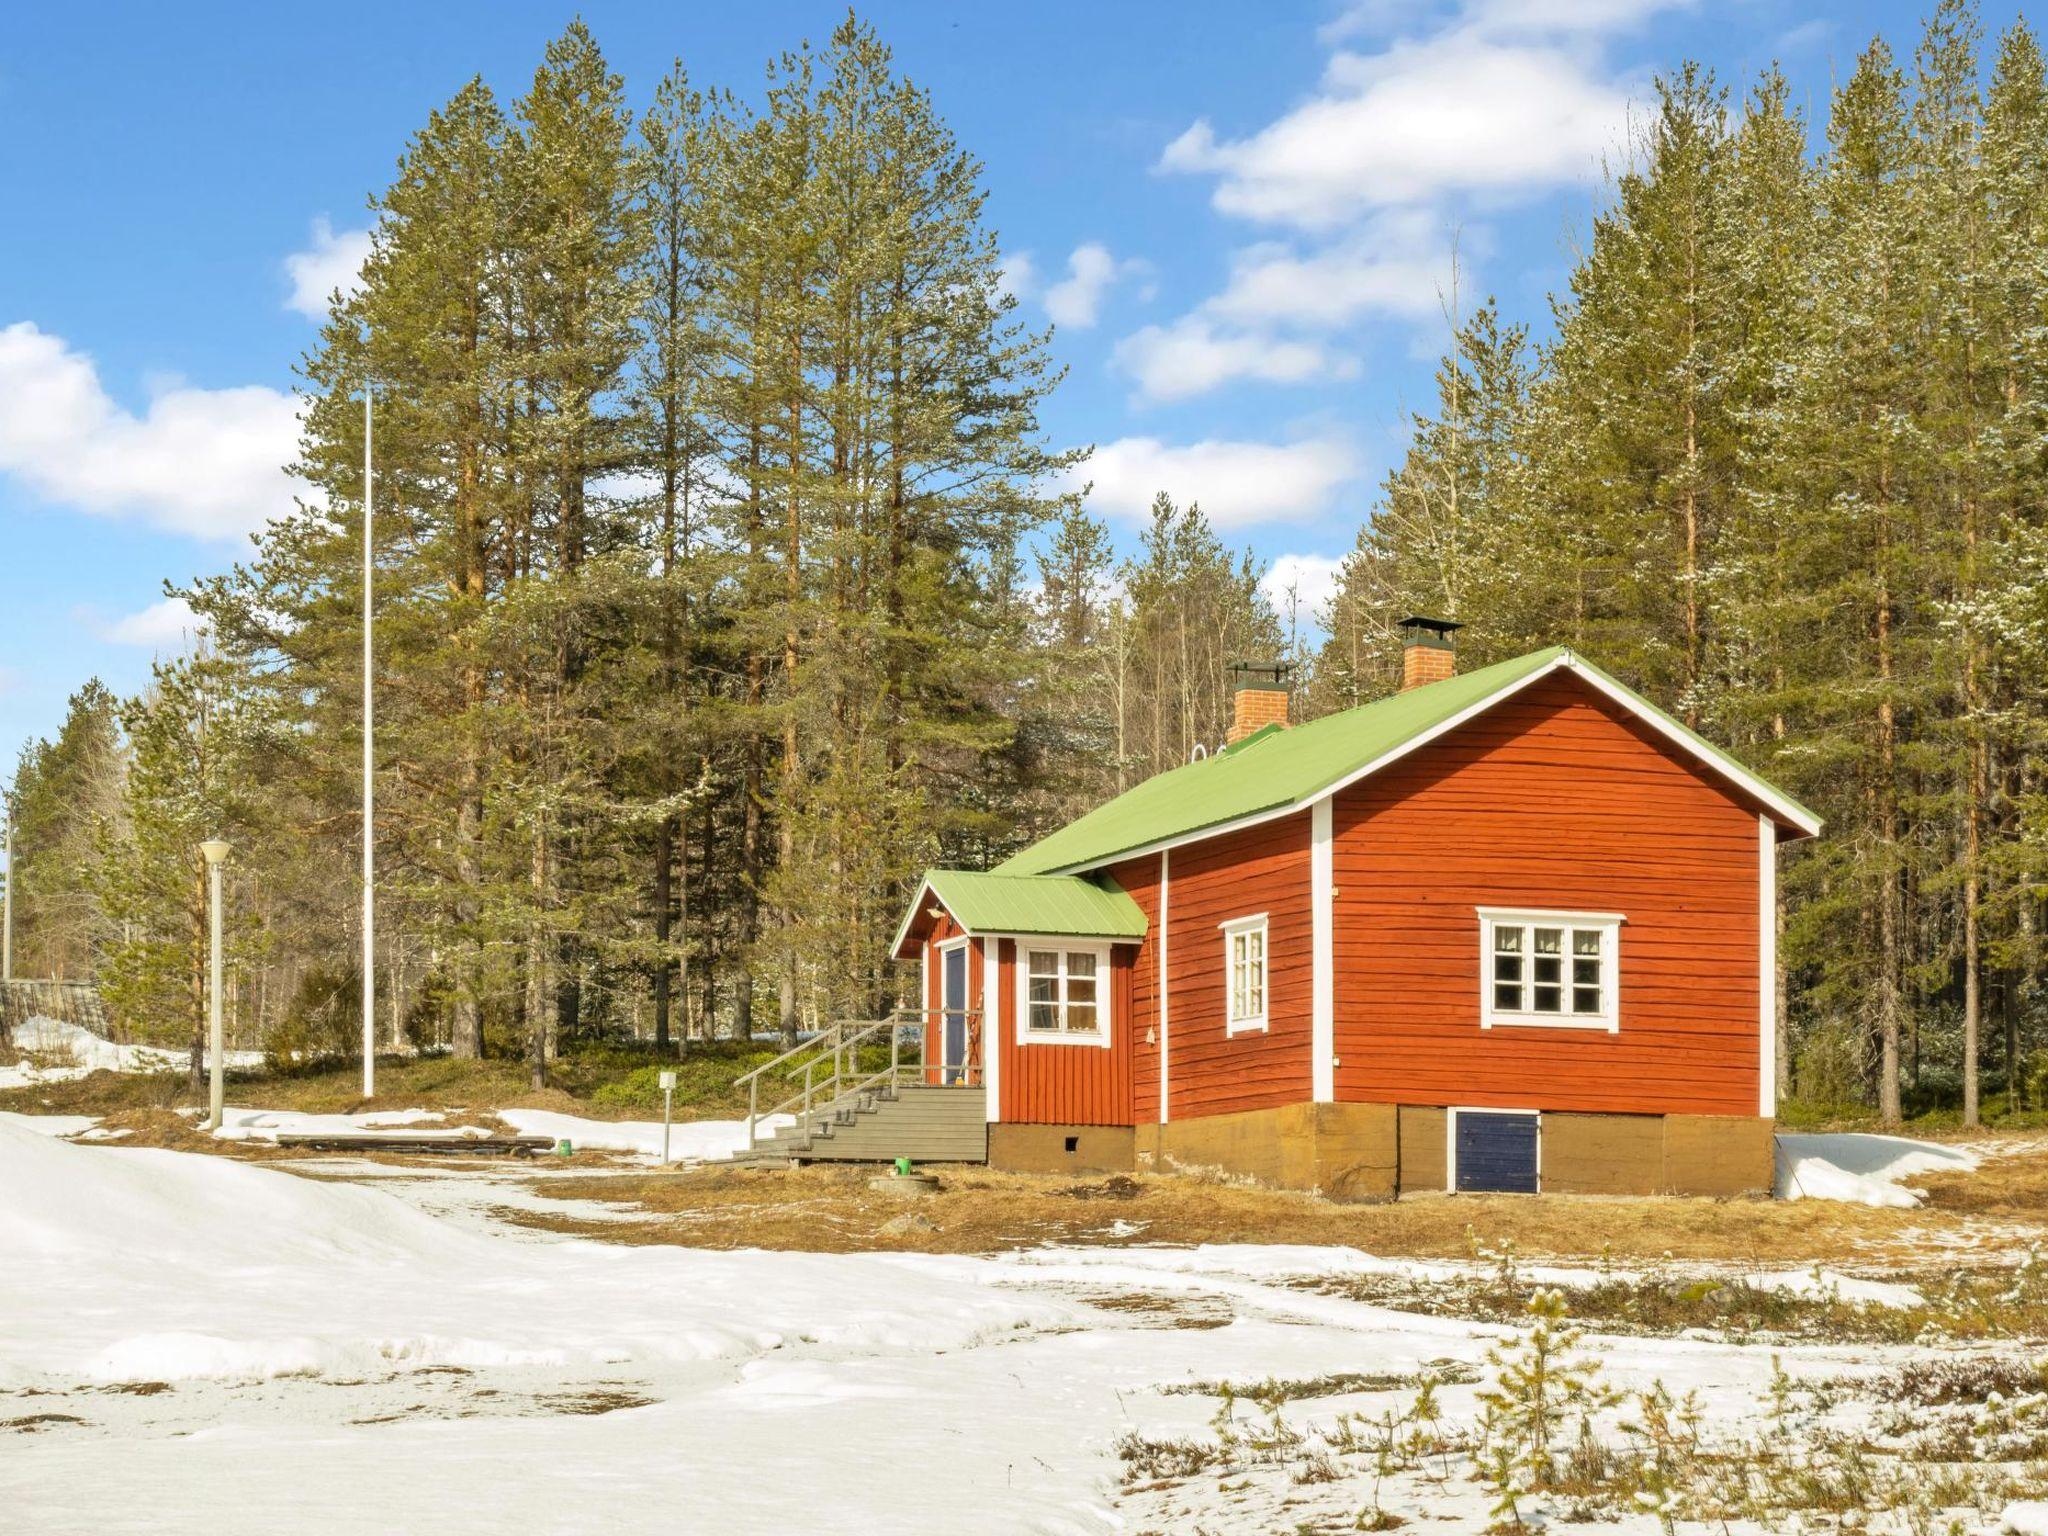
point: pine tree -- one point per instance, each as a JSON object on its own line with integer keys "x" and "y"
{"x": 64, "y": 792}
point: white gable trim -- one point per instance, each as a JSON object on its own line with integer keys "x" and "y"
{"x": 1741, "y": 777}
{"x": 924, "y": 889}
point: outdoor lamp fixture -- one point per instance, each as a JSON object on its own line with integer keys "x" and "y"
{"x": 216, "y": 854}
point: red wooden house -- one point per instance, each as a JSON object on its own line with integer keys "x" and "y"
{"x": 1511, "y": 929}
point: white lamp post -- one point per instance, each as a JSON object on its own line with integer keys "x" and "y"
{"x": 369, "y": 770}
{"x": 216, "y": 854}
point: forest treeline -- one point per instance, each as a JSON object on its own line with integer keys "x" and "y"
{"x": 726, "y": 576}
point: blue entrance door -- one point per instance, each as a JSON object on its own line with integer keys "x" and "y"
{"x": 955, "y": 1041}
{"x": 1496, "y": 1152}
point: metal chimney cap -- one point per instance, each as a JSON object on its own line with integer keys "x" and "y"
{"x": 1262, "y": 674}
{"x": 1419, "y": 629}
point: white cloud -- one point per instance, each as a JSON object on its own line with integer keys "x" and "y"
{"x": 1399, "y": 264}
{"x": 1076, "y": 300}
{"x": 204, "y": 462}
{"x": 1018, "y": 275}
{"x": 1239, "y": 484}
{"x": 334, "y": 261}
{"x": 1472, "y": 109}
{"x": 1193, "y": 355}
{"x": 166, "y": 625}
{"x": 1313, "y": 578}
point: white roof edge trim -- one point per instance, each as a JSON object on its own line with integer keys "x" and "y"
{"x": 924, "y": 888}
{"x": 1783, "y": 808}
{"x": 1741, "y": 777}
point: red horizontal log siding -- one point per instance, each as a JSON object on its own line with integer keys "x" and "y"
{"x": 1557, "y": 799}
{"x": 1056, "y": 1084}
{"x": 1140, "y": 877}
{"x": 1261, "y": 869}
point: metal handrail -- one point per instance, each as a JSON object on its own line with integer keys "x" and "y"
{"x": 840, "y": 1043}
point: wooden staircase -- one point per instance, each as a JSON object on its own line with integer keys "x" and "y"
{"x": 863, "y": 1091}
{"x": 924, "y": 1124}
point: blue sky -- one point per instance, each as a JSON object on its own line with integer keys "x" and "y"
{"x": 1238, "y": 216}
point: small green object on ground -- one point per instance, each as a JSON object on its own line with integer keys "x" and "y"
{"x": 903, "y": 1167}
{"x": 563, "y": 1148}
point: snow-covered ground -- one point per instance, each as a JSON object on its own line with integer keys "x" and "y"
{"x": 689, "y": 1141}
{"x": 76, "y": 1051}
{"x": 1860, "y": 1168}
{"x": 189, "y": 1343}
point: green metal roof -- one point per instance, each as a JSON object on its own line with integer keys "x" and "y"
{"x": 1277, "y": 770}
{"x": 1065, "y": 905}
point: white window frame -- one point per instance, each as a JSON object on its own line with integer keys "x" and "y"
{"x": 1233, "y": 930}
{"x": 1100, "y": 1036}
{"x": 1606, "y": 924}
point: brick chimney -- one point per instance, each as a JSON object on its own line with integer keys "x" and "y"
{"x": 1260, "y": 699}
{"x": 1428, "y": 654}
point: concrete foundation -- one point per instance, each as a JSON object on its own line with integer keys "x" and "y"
{"x": 1061, "y": 1148}
{"x": 1367, "y": 1152}
{"x": 1340, "y": 1151}
{"x": 1603, "y": 1154}
{"x": 1719, "y": 1155}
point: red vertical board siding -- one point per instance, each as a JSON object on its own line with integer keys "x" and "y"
{"x": 1057, "y": 1084}
{"x": 1556, "y": 798}
{"x": 1140, "y": 878}
{"x": 1261, "y": 869}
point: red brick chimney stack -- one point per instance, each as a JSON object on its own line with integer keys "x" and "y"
{"x": 1428, "y": 653}
{"x": 1260, "y": 699}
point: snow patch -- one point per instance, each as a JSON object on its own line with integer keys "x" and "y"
{"x": 87, "y": 1052}
{"x": 690, "y": 1141}
{"x": 142, "y": 1264}
{"x": 269, "y": 1124}
{"x": 1861, "y": 1169}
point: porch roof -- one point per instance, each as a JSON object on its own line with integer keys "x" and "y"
{"x": 1066, "y": 905}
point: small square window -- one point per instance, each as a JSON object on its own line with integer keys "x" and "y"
{"x": 1061, "y": 997}
{"x": 1550, "y": 968}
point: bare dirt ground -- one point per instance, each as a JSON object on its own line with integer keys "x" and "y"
{"x": 1993, "y": 1212}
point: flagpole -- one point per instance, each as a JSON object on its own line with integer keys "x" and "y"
{"x": 369, "y": 775}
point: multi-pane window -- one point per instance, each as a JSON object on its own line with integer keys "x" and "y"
{"x": 1550, "y": 968}
{"x": 1244, "y": 961}
{"x": 1063, "y": 996}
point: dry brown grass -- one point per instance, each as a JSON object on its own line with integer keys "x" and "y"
{"x": 2010, "y": 1186}
{"x": 980, "y": 1211}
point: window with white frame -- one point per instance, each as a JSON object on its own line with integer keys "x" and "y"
{"x": 1244, "y": 970}
{"x": 1065, "y": 994}
{"x": 1550, "y": 968}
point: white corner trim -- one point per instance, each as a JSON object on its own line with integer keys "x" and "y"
{"x": 1161, "y": 1006}
{"x": 1767, "y": 967}
{"x": 992, "y": 1027}
{"x": 1322, "y": 881}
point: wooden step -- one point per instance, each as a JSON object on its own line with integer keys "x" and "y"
{"x": 925, "y": 1124}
